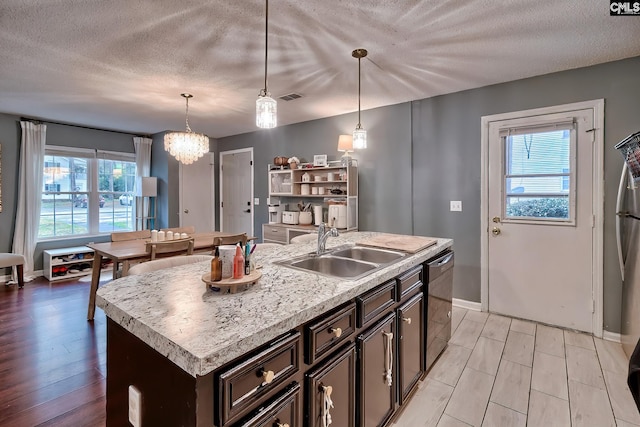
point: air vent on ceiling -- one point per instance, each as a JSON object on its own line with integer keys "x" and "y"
{"x": 290, "y": 97}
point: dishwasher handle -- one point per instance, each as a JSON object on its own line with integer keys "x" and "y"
{"x": 441, "y": 261}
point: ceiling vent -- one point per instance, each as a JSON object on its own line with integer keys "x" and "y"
{"x": 290, "y": 97}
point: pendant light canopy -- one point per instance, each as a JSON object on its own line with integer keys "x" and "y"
{"x": 266, "y": 107}
{"x": 359, "y": 134}
{"x": 188, "y": 146}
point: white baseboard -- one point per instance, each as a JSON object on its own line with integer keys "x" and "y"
{"x": 611, "y": 336}
{"x": 7, "y": 277}
{"x": 469, "y": 305}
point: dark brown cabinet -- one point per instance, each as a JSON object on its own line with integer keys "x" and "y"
{"x": 330, "y": 390}
{"x": 376, "y": 384}
{"x": 282, "y": 411}
{"x": 411, "y": 341}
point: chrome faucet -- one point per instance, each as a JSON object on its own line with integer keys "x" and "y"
{"x": 323, "y": 236}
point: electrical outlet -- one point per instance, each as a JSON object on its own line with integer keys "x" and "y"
{"x": 135, "y": 407}
{"x": 455, "y": 206}
{"x": 256, "y": 201}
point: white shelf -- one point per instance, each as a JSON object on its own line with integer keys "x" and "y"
{"x": 78, "y": 256}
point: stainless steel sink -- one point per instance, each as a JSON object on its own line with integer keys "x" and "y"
{"x": 352, "y": 262}
{"x": 334, "y": 266}
{"x": 378, "y": 256}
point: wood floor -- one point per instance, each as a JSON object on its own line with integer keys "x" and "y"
{"x": 496, "y": 371}
{"x": 52, "y": 361}
{"x": 502, "y": 372}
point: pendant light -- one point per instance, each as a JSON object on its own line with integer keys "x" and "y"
{"x": 359, "y": 134}
{"x": 188, "y": 146}
{"x": 266, "y": 107}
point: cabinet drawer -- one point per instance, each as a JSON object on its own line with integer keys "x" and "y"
{"x": 375, "y": 302}
{"x": 336, "y": 376}
{"x": 284, "y": 409}
{"x": 409, "y": 281}
{"x": 326, "y": 332}
{"x": 274, "y": 233}
{"x": 241, "y": 386}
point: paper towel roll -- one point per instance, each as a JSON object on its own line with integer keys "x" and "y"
{"x": 317, "y": 214}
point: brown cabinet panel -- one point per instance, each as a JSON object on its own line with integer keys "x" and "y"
{"x": 375, "y": 302}
{"x": 339, "y": 373}
{"x": 376, "y": 396}
{"x": 410, "y": 344}
{"x": 439, "y": 315}
{"x": 241, "y": 386}
{"x": 284, "y": 409}
{"x": 327, "y": 332}
{"x": 409, "y": 281}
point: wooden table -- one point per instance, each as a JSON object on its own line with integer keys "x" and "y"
{"x": 130, "y": 250}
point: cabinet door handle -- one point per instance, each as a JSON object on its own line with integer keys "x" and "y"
{"x": 449, "y": 314}
{"x": 327, "y": 405}
{"x": 336, "y": 331}
{"x": 407, "y": 320}
{"x": 388, "y": 357}
{"x": 281, "y": 425}
{"x": 267, "y": 376}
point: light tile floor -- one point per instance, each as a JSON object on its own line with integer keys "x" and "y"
{"x": 502, "y": 372}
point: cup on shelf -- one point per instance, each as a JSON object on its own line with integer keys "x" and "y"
{"x": 314, "y": 190}
{"x": 320, "y": 190}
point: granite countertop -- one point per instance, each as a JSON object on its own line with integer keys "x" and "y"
{"x": 199, "y": 330}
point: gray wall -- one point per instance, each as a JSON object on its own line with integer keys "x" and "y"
{"x": 384, "y": 168}
{"x": 440, "y": 138}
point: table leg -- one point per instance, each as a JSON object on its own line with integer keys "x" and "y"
{"x": 95, "y": 279}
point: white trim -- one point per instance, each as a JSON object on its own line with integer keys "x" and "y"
{"x": 469, "y": 305}
{"x": 7, "y": 277}
{"x": 598, "y": 199}
{"x": 611, "y": 336}
{"x": 221, "y": 183}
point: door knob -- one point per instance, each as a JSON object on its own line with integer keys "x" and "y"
{"x": 186, "y": 211}
{"x": 496, "y": 219}
{"x": 267, "y": 376}
{"x": 248, "y": 211}
{"x": 495, "y": 231}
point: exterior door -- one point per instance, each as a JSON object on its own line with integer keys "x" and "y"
{"x": 197, "y": 207}
{"x": 236, "y": 191}
{"x": 541, "y": 218}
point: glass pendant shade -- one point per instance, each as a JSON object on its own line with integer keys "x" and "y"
{"x": 359, "y": 138}
{"x": 266, "y": 111}
{"x": 188, "y": 146}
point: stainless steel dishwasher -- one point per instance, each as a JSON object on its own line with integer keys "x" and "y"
{"x": 439, "y": 294}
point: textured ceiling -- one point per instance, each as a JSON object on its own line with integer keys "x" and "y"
{"x": 122, "y": 64}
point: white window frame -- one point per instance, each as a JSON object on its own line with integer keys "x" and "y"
{"x": 93, "y": 193}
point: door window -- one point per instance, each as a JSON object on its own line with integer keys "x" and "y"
{"x": 539, "y": 174}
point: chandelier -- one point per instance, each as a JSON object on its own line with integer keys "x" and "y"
{"x": 359, "y": 134}
{"x": 188, "y": 146}
{"x": 266, "y": 107}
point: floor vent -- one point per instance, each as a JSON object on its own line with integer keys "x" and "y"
{"x": 290, "y": 97}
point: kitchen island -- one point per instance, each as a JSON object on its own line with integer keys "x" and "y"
{"x": 183, "y": 346}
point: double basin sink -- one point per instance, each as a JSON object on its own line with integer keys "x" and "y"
{"x": 350, "y": 262}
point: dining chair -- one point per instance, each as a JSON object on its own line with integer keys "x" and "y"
{"x": 122, "y": 236}
{"x": 231, "y": 239}
{"x": 159, "y": 264}
{"x": 169, "y": 248}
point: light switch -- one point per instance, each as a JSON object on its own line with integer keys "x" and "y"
{"x": 256, "y": 201}
{"x": 455, "y": 206}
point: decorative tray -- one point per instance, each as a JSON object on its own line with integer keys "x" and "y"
{"x": 231, "y": 286}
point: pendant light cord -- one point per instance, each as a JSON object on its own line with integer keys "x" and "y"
{"x": 359, "y": 74}
{"x": 186, "y": 114}
{"x": 266, "y": 45}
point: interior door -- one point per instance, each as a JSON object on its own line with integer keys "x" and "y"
{"x": 541, "y": 218}
{"x": 236, "y": 191}
{"x": 197, "y": 194}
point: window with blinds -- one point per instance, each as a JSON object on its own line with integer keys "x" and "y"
{"x": 539, "y": 173}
